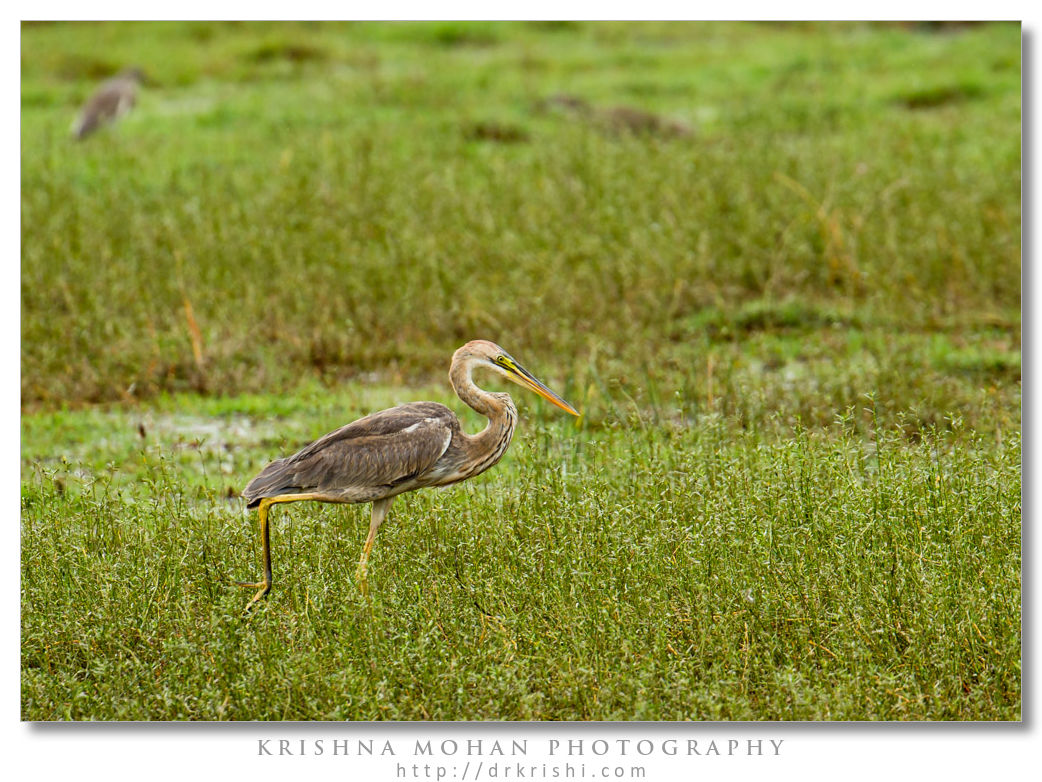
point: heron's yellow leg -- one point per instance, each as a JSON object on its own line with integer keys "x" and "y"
{"x": 380, "y": 508}
{"x": 262, "y": 517}
{"x": 361, "y": 574}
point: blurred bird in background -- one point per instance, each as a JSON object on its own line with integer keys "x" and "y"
{"x": 114, "y": 98}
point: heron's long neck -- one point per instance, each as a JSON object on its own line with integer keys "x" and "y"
{"x": 490, "y": 443}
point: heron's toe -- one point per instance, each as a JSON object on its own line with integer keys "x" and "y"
{"x": 362, "y": 579}
{"x": 252, "y": 584}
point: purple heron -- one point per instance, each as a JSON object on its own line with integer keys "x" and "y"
{"x": 376, "y": 458}
{"x": 112, "y": 100}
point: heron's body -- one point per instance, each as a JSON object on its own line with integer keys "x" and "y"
{"x": 376, "y": 458}
{"x": 112, "y": 100}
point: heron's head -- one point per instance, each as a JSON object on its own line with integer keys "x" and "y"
{"x": 482, "y": 353}
{"x": 135, "y": 74}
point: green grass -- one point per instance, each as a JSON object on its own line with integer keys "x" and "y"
{"x": 318, "y": 212}
{"x": 794, "y": 335}
{"x": 666, "y": 573}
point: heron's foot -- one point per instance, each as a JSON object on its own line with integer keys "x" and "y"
{"x": 255, "y": 599}
{"x": 362, "y": 578}
{"x": 263, "y": 588}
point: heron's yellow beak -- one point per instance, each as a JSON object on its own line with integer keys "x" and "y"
{"x": 526, "y": 379}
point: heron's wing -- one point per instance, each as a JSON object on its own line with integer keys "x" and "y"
{"x": 364, "y": 459}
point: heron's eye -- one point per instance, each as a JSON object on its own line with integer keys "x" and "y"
{"x": 505, "y": 362}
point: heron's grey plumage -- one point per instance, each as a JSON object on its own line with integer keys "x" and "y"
{"x": 110, "y": 101}
{"x": 378, "y": 456}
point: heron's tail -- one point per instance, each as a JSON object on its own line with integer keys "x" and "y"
{"x": 275, "y": 479}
